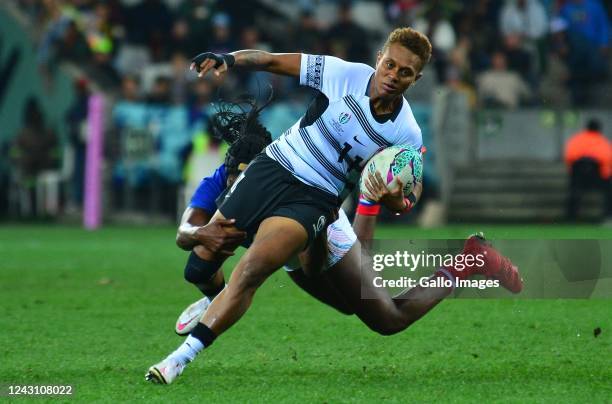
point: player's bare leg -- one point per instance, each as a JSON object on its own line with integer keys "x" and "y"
{"x": 379, "y": 311}
{"x": 277, "y": 240}
{"x": 197, "y": 235}
{"x": 322, "y": 288}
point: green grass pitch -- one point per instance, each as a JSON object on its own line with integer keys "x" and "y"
{"x": 95, "y": 309}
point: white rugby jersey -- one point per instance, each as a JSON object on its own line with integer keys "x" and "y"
{"x": 331, "y": 143}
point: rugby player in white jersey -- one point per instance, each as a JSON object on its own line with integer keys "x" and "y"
{"x": 287, "y": 195}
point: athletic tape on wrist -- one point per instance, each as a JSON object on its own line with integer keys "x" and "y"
{"x": 229, "y": 59}
{"x": 367, "y": 207}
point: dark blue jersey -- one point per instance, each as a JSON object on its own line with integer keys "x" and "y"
{"x": 209, "y": 190}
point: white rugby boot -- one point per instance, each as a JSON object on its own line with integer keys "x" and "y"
{"x": 165, "y": 371}
{"x": 191, "y": 316}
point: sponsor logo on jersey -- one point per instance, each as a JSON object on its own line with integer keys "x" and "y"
{"x": 319, "y": 226}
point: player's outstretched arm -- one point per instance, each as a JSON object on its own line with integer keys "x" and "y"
{"x": 279, "y": 63}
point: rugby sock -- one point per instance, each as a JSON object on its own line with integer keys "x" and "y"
{"x": 188, "y": 350}
{"x": 200, "y": 338}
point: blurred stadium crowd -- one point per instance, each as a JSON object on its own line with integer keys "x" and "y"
{"x": 500, "y": 54}
{"x": 507, "y": 52}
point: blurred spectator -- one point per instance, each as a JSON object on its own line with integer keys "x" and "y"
{"x": 130, "y": 89}
{"x": 342, "y": 37}
{"x": 200, "y": 105}
{"x": 519, "y": 58}
{"x": 459, "y": 74}
{"x": 526, "y": 22}
{"x": 250, "y": 38}
{"x": 526, "y": 18}
{"x": 72, "y": 45}
{"x": 554, "y": 90}
{"x": 588, "y": 44}
{"x": 499, "y": 87}
{"x": 149, "y": 23}
{"x": 403, "y": 12}
{"x": 478, "y": 21}
{"x": 128, "y": 142}
{"x": 589, "y": 20}
{"x": 98, "y": 31}
{"x": 588, "y": 155}
{"x": 184, "y": 40}
{"x": 76, "y": 119}
{"x": 181, "y": 78}
{"x": 35, "y": 149}
{"x": 221, "y": 40}
{"x": 307, "y": 35}
{"x": 442, "y": 36}
{"x": 62, "y": 38}
{"x": 459, "y": 61}
{"x": 161, "y": 92}
{"x": 99, "y": 34}
{"x": 192, "y": 29}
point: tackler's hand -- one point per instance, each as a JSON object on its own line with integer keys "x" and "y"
{"x": 221, "y": 237}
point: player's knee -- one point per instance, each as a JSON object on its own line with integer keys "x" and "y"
{"x": 199, "y": 271}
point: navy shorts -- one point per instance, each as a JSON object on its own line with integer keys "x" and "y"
{"x": 266, "y": 189}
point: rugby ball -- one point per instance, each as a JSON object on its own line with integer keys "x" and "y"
{"x": 400, "y": 161}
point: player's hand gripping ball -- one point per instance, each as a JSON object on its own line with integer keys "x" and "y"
{"x": 401, "y": 162}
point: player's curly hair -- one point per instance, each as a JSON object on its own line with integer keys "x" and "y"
{"x": 237, "y": 123}
{"x": 413, "y": 40}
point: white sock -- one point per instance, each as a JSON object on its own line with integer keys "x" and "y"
{"x": 188, "y": 350}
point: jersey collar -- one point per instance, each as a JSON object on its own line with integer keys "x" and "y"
{"x": 382, "y": 118}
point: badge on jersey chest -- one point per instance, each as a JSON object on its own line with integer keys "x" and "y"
{"x": 344, "y": 118}
{"x": 341, "y": 124}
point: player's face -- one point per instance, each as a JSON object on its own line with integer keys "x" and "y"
{"x": 396, "y": 70}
